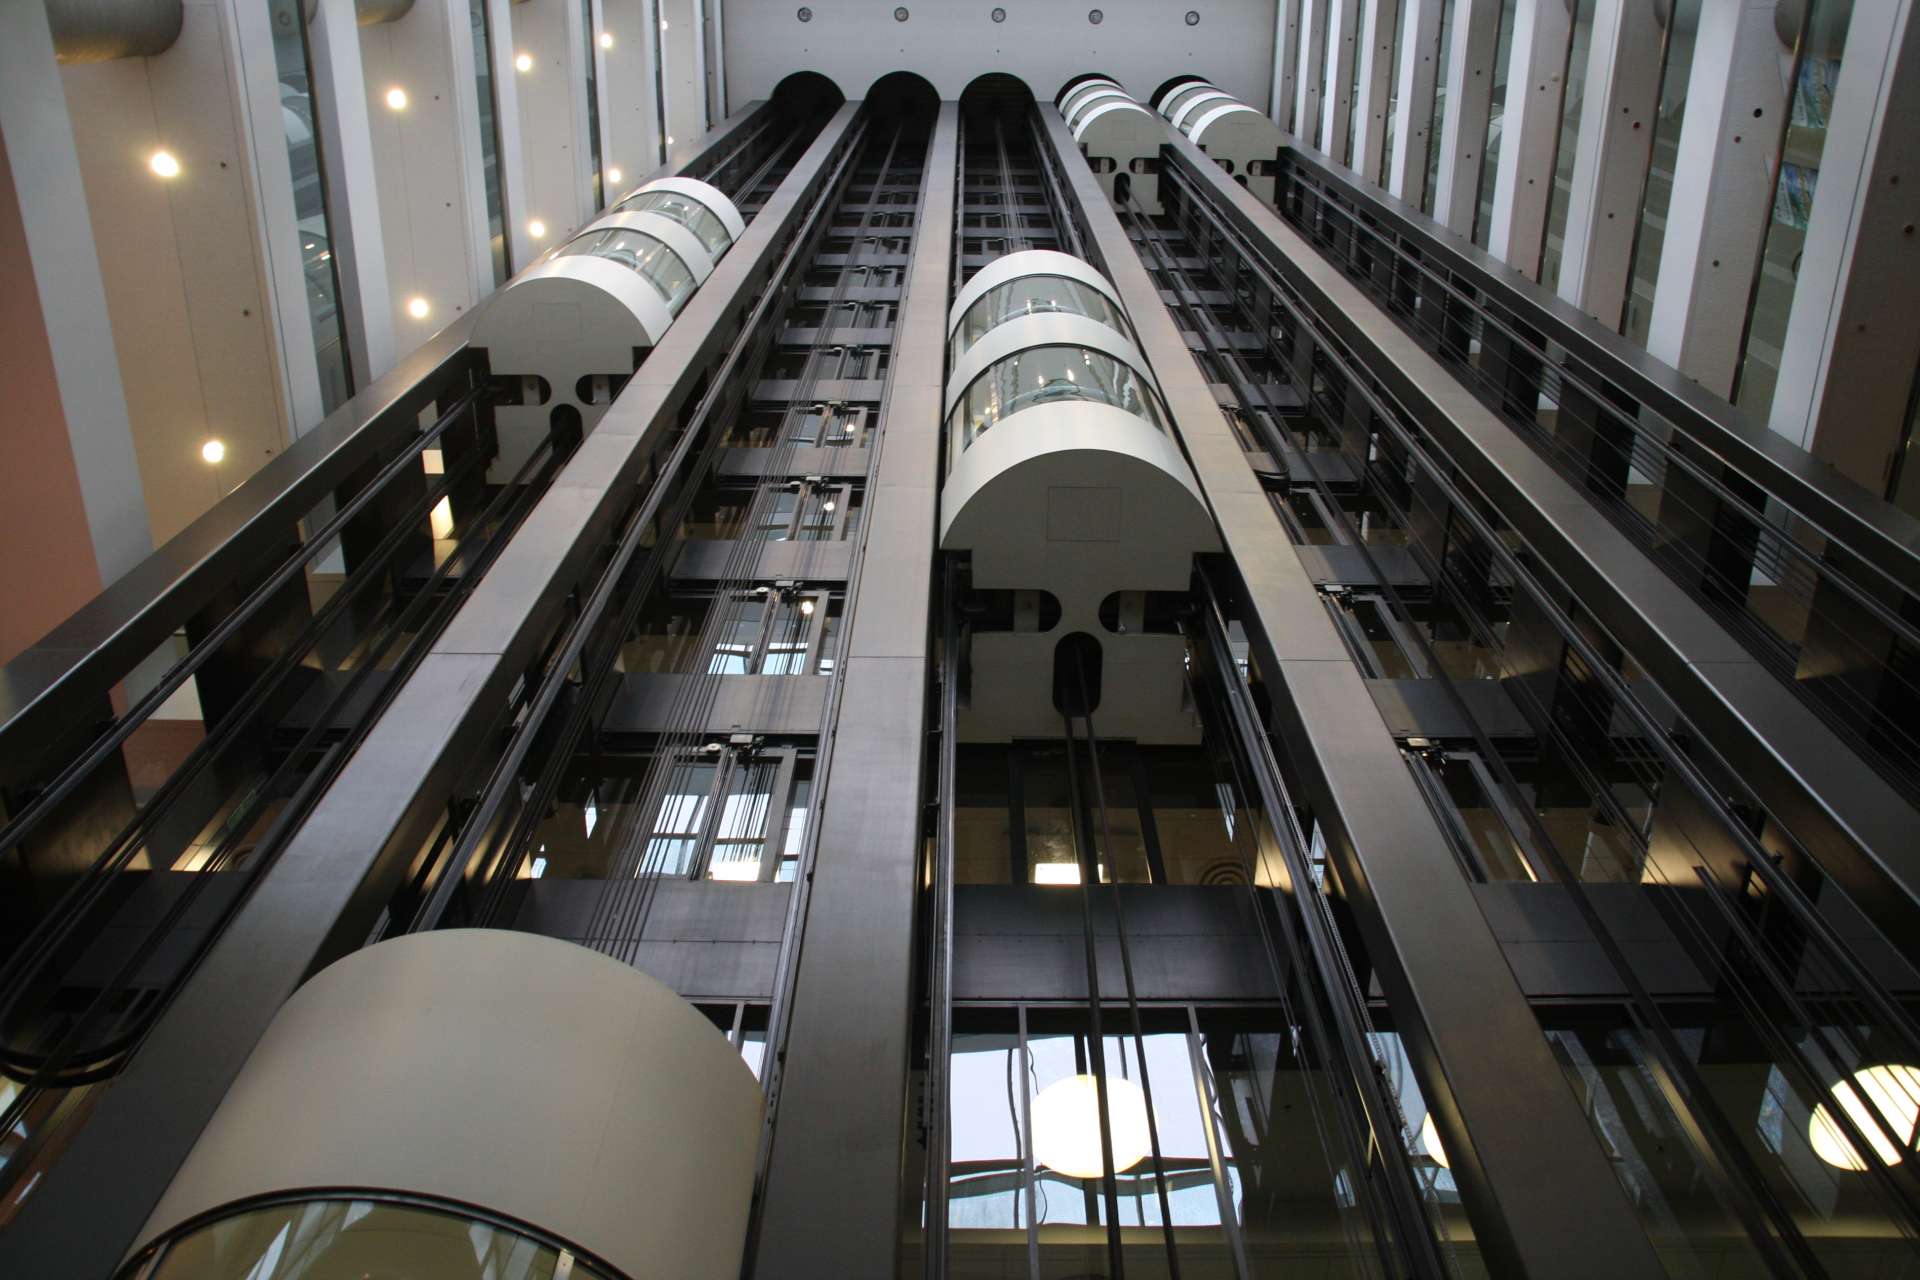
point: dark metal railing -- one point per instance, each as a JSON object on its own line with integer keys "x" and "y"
{"x": 1815, "y": 576}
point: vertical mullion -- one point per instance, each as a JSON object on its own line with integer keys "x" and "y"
{"x": 1029, "y": 1179}
{"x": 1203, "y": 1088}
{"x": 779, "y": 805}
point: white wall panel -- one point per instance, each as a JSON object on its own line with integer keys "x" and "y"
{"x": 1140, "y": 43}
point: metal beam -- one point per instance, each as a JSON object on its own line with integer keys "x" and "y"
{"x": 830, "y": 1202}
{"x": 1536, "y": 1184}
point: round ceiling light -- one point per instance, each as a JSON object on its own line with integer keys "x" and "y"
{"x": 1066, "y": 1126}
{"x": 523, "y": 63}
{"x": 1430, "y": 1139}
{"x": 164, "y": 164}
{"x": 1893, "y": 1092}
{"x": 213, "y": 451}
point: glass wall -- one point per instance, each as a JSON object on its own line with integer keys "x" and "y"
{"x": 310, "y": 210}
{"x": 326, "y": 1239}
{"x": 1035, "y": 295}
{"x": 1440, "y": 58}
{"x": 596, "y": 164}
{"x": 1049, "y": 375}
{"x": 1650, "y": 236}
{"x": 1213, "y": 1135}
{"x": 1568, "y": 144}
{"x": 1796, "y": 175}
{"x": 489, "y": 140}
{"x": 1496, "y": 127}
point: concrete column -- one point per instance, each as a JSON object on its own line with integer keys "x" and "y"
{"x": 72, "y": 512}
{"x": 1847, "y": 365}
{"x": 1375, "y": 88}
{"x": 684, "y": 69}
{"x": 1530, "y": 130}
{"x": 353, "y": 198}
{"x": 1722, "y": 192}
{"x": 1286, "y": 61}
{"x": 1309, "y": 81}
{"x": 509, "y": 154}
{"x": 429, "y": 174}
{"x": 1413, "y": 107}
{"x": 1343, "y": 21}
{"x": 1617, "y": 115}
{"x": 1470, "y": 54}
{"x": 630, "y": 130}
{"x": 553, "y": 120}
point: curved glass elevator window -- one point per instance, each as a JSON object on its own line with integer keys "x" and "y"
{"x": 324, "y": 1239}
{"x": 1049, "y": 375}
{"x": 686, "y": 211}
{"x": 659, "y": 265}
{"x": 1034, "y": 295}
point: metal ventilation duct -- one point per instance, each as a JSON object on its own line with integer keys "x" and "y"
{"x": 102, "y": 30}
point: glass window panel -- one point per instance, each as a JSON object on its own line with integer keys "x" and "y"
{"x": 1049, "y": 375}
{"x": 1650, "y": 236}
{"x": 794, "y": 841}
{"x": 1035, "y": 295}
{"x": 686, "y": 211}
{"x": 322, "y": 1239}
{"x": 681, "y": 818}
{"x": 310, "y": 213}
{"x": 1571, "y": 102}
{"x": 1496, "y": 121}
{"x": 652, "y": 259}
{"x": 741, "y": 835}
{"x": 1795, "y": 180}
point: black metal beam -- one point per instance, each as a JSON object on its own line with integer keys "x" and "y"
{"x": 1879, "y": 532}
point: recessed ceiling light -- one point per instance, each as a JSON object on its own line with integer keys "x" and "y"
{"x": 418, "y": 308}
{"x": 213, "y": 451}
{"x": 164, "y": 164}
{"x": 523, "y": 63}
{"x": 613, "y": 175}
{"x": 397, "y": 98}
{"x": 606, "y": 39}
{"x": 537, "y": 229}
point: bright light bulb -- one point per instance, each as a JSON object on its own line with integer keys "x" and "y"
{"x": 606, "y": 39}
{"x": 1430, "y": 1139}
{"x": 537, "y": 229}
{"x": 397, "y": 98}
{"x": 1893, "y": 1091}
{"x": 164, "y": 164}
{"x": 806, "y": 608}
{"x": 669, "y": 139}
{"x": 417, "y": 308}
{"x": 613, "y": 175}
{"x": 663, "y": 24}
{"x": 213, "y": 451}
{"x": 523, "y": 63}
{"x": 827, "y": 505}
{"x": 1066, "y": 1126}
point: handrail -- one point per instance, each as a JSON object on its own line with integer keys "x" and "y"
{"x": 1876, "y": 531}
{"x": 65, "y": 677}
{"x": 1453, "y": 298}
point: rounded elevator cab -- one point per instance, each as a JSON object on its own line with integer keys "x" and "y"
{"x": 471, "y": 1104}
{"x": 1239, "y": 138}
{"x": 1064, "y": 477}
{"x": 574, "y": 326}
{"x": 1120, "y": 137}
